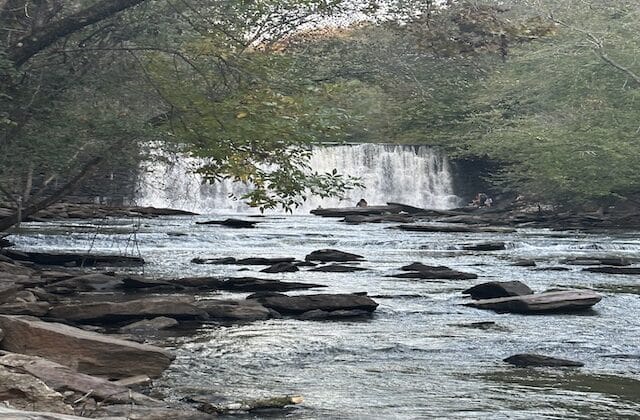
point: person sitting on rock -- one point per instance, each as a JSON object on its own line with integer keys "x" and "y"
{"x": 362, "y": 203}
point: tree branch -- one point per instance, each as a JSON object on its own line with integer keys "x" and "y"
{"x": 41, "y": 38}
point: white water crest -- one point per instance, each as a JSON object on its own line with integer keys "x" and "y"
{"x": 414, "y": 175}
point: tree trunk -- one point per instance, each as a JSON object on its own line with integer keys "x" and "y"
{"x": 67, "y": 188}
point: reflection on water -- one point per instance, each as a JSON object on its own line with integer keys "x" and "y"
{"x": 416, "y": 357}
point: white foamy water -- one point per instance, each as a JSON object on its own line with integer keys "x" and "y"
{"x": 414, "y": 175}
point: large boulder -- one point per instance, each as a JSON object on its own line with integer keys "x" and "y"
{"x": 558, "y": 301}
{"x": 327, "y": 302}
{"x": 179, "y": 307}
{"x": 497, "y": 289}
{"x": 84, "y": 351}
{"x": 528, "y": 359}
{"x": 325, "y": 255}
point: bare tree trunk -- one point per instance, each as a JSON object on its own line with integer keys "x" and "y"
{"x": 67, "y": 188}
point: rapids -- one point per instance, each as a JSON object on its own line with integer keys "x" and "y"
{"x": 414, "y": 358}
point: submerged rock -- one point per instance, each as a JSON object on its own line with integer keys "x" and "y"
{"x": 86, "y": 352}
{"x": 524, "y": 263}
{"x": 497, "y": 289}
{"x": 528, "y": 359}
{"x": 614, "y": 261}
{"x": 80, "y": 260}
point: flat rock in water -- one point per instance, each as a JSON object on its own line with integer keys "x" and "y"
{"x": 327, "y": 302}
{"x": 524, "y": 263}
{"x": 485, "y": 246}
{"x": 384, "y": 218}
{"x": 559, "y": 301}
{"x": 320, "y": 315}
{"x": 614, "y": 270}
{"x": 436, "y": 275}
{"x": 497, "y": 289}
{"x": 232, "y": 223}
{"x": 282, "y": 267}
{"x": 326, "y": 255}
{"x": 338, "y": 268}
{"x": 614, "y": 261}
{"x": 253, "y": 284}
{"x": 243, "y": 261}
{"x": 180, "y": 307}
{"x": 84, "y": 260}
{"x": 417, "y": 266}
{"x": 84, "y": 351}
{"x": 247, "y": 310}
{"x": 350, "y": 211}
{"x": 528, "y": 359}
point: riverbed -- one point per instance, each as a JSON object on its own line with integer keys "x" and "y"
{"x": 417, "y": 357}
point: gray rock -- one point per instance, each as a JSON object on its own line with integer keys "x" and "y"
{"x": 325, "y": 255}
{"x": 179, "y": 307}
{"x": 282, "y": 267}
{"x": 149, "y": 325}
{"x": 83, "y": 351}
{"x": 24, "y": 391}
{"x": 497, "y": 289}
{"x": 485, "y": 246}
{"x": 327, "y": 302}
{"x": 247, "y": 310}
{"x": 320, "y": 315}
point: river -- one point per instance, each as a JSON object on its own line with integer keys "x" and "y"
{"x": 415, "y": 358}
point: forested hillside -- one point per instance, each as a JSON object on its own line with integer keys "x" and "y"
{"x": 547, "y": 91}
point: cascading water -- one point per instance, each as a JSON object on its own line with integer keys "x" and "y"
{"x": 414, "y": 175}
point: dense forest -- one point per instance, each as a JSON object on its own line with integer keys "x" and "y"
{"x": 546, "y": 91}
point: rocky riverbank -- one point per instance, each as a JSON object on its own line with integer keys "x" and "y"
{"x": 74, "y": 338}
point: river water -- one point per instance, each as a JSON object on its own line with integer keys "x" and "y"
{"x": 415, "y": 358}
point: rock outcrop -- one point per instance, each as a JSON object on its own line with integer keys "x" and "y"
{"x": 84, "y": 351}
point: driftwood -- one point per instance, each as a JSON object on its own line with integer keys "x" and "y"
{"x": 260, "y": 404}
{"x": 560, "y": 301}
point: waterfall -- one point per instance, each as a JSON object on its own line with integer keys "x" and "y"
{"x": 414, "y": 175}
